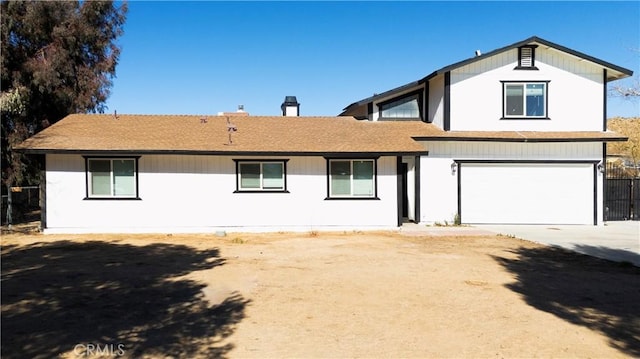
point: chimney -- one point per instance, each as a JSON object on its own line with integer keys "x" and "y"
{"x": 290, "y": 106}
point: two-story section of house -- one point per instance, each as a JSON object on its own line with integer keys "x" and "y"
{"x": 521, "y": 136}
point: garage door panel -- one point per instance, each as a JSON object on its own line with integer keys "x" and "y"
{"x": 519, "y": 193}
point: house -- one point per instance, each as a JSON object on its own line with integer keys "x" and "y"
{"x": 515, "y": 135}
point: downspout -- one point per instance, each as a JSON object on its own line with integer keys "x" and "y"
{"x": 43, "y": 192}
{"x": 447, "y": 102}
{"x": 605, "y": 209}
{"x": 399, "y": 184}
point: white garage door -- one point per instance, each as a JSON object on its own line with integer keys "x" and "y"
{"x": 527, "y": 193}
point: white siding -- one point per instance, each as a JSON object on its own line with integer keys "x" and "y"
{"x": 515, "y": 150}
{"x": 435, "y": 102}
{"x": 575, "y": 93}
{"x": 195, "y": 194}
{"x": 439, "y": 185}
{"x": 438, "y": 190}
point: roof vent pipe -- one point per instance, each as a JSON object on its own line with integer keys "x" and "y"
{"x": 290, "y": 106}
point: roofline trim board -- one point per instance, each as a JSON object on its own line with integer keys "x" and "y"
{"x": 506, "y": 139}
{"x": 526, "y": 42}
{"x": 406, "y": 87}
{"x": 224, "y": 153}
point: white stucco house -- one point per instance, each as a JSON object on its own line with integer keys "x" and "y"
{"x": 512, "y": 136}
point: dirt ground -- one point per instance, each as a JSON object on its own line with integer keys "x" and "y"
{"x": 331, "y": 295}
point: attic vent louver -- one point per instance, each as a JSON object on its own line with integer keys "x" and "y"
{"x": 526, "y": 58}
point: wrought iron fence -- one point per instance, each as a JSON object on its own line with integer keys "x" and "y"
{"x": 622, "y": 193}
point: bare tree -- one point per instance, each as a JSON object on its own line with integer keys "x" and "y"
{"x": 629, "y": 88}
{"x": 629, "y": 127}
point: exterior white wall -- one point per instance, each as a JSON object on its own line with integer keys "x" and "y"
{"x": 439, "y": 185}
{"x": 375, "y": 116}
{"x": 515, "y": 150}
{"x": 575, "y": 93}
{"x": 438, "y": 190}
{"x": 182, "y": 193}
{"x": 435, "y": 103}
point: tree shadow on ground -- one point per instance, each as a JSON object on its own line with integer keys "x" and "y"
{"x": 621, "y": 255}
{"x": 599, "y": 294}
{"x": 61, "y": 294}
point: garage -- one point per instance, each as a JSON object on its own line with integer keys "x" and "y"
{"x": 504, "y": 192}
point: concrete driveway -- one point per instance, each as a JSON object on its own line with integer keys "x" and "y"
{"x": 617, "y": 241}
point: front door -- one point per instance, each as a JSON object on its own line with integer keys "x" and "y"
{"x": 404, "y": 170}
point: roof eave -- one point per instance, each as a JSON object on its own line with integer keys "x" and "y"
{"x": 393, "y": 91}
{"x": 121, "y": 152}
{"x": 522, "y": 139}
{"x": 621, "y": 70}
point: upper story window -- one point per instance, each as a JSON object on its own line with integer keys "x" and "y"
{"x": 525, "y": 99}
{"x": 261, "y": 175}
{"x": 527, "y": 58}
{"x": 352, "y": 178}
{"x": 112, "y": 178}
{"x": 403, "y": 108}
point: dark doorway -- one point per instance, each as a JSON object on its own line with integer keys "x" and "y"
{"x": 404, "y": 168}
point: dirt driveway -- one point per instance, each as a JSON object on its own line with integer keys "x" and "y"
{"x": 312, "y": 295}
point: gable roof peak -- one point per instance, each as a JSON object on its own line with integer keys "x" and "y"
{"x": 615, "y": 72}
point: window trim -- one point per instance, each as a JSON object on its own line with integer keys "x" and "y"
{"x": 89, "y": 196}
{"x": 418, "y": 94}
{"x": 238, "y": 162}
{"x": 374, "y": 197}
{"x": 533, "y": 58}
{"x": 524, "y": 83}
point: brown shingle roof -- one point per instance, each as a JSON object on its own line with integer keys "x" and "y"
{"x": 255, "y": 134}
{"x": 262, "y": 135}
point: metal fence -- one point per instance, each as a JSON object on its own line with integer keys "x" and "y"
{"x": 622, "y": 193}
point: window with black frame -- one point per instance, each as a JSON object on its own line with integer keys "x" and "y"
{"x": 527, "y": 100}
{"x": 112, "y": 177}
{"x": 403, "y": 108}
{"x": 352, "y": 178}
{"x": 261, "y": 175}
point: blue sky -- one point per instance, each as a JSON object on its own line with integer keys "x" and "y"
{"x": 204, "y": 57}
